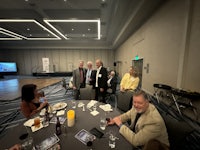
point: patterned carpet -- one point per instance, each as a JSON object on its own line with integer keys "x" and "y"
{"x": 11, "y": 116}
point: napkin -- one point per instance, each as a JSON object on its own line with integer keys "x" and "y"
{"x": 42, "y": 112}
{"x": 91, "y": 103}
{"x": 106, "y": 107}
{"x": 94, "y": 113}
{"x": 33, "y": 128}
{"x": 80, "y": 104}
{"x": 29, "y": 123}
{"x": 61, "y": 112}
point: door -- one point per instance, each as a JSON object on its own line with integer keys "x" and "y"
{"x": 139, "y": 66}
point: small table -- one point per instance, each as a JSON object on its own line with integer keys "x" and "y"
{"x": 84, "y": 120}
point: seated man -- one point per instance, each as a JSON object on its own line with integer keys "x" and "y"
{"x": 112, "y": 82}
{"x": 146, "y": 123}
{"x": 130, "y": 80}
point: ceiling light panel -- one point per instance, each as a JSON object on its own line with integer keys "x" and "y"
{"x": 75, "y": 28}
{"x": 7, "y": 36}
{"x": 28, "y": 29}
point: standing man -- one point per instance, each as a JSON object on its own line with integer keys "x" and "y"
{"x": 79, "y": 76}
{"x": 146, "y": 123}
{"x": 88, "y": 80}
{"x": 101, "y": 81}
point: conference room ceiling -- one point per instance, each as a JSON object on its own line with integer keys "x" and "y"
{"x": 71, "y": 24}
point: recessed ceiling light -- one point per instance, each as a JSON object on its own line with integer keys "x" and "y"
{"x": 65, "y": 0}
{"x": 88, "y": 29}
{"x": 27, "y": 29}
{"x": 83, "y": 35}
{"x": 48, "y": 22}
{"x": 26, "y": 0}
{"x": 31, "y": 21}
{"x": 72, "y": 29}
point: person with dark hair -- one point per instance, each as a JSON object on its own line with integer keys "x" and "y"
{"x": 146, "y": 123}
{"x": 30, "y": 103}
{"x": 130, "y": 81}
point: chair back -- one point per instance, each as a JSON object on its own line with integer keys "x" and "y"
{"x": 87, "y": 93}
{"x": 124, "y": 100}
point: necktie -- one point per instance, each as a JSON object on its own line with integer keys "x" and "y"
{"x": 81, "y": 75}
{"x": 135, "y": 121}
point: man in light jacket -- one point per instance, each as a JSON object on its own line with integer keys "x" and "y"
{"x": 149, "y": 125}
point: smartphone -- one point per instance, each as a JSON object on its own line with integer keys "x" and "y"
{"x": 108, "y": 119}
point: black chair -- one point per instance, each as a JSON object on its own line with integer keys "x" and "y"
{"x": 65, "y": 85}
{"x": 124, "y": 100}
{"x": 179, "y": 94}
{"x": 162, "y": 90}
{"x": 87, "y": 93}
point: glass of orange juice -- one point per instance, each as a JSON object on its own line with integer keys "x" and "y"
{"x": 37, "y": 122}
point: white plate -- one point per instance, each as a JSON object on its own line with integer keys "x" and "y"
{"x": 59, "y": 106}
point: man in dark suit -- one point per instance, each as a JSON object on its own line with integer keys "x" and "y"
{"x": 79, "y": 77}
{"x": 101, "y": 81}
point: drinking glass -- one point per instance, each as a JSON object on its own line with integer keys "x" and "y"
{"x": 94, "y": 107}
{"x": 73, "y": 104}
{"x": 28, "y": 144}
{"x": 111, "y": 141}
{"x": 37, "y": 122}
{"x": 64, "y": 126}
{"x": 103, "y": 123}
{"x": 46, "y": 121}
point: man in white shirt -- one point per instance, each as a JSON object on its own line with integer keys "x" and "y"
{"x": 101, "y": 81}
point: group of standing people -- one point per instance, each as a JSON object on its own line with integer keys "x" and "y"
{"x": 100, "y": 80}
{"x": 97, "y": 78}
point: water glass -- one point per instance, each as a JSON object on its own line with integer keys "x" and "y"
{"x": 45, "y": 121}
{"x": 103, "y": 123}
{"x": 94, "y": 107}
{"x": 64, "y": 126}
{"x": 73, "y": 104}
{"x": 28, "y": 144}
{"x": 112, "y": 139}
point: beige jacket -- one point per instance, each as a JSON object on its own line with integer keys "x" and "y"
{"x": 150, "y": 125}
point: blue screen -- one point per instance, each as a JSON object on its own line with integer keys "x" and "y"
{"x": 8, "y": 67}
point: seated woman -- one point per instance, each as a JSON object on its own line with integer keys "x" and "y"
{"x": 30, "y": 103}
{"x": 112, "y": 82}
{"x": 130, "y": 80}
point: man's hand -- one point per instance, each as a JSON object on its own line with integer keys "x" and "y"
{"x": 117, "y": 121}
{"x": 101, "y": 89}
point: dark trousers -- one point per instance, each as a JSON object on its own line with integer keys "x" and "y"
{"x": 100, "y": 96}
{"x": 77, "y": 92}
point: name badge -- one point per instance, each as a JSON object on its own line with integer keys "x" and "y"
{"x": 100, "y": 75}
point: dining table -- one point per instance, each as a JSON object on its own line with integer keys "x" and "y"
{"x": 83, "y": 120}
